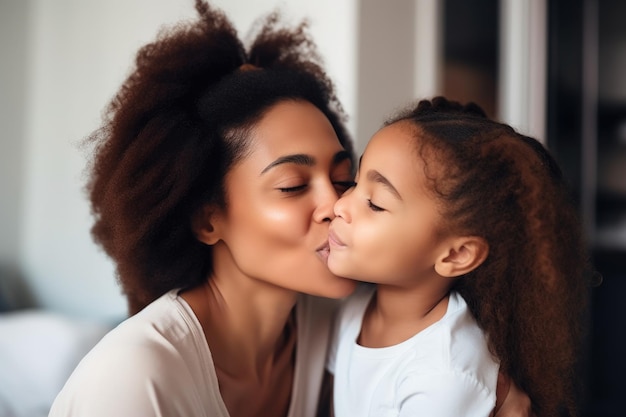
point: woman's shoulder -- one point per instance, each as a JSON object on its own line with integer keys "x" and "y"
{"x": 154, "y": 335}
{"x": 150, "y": 354}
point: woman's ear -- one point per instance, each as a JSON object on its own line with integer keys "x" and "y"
{"x": 205, "y": 224}
{"x": 462, "y": 255}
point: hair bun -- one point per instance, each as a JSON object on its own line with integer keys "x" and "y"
{"x": 441, "y": 105}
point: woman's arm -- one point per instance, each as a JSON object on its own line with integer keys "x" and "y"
{"x": 511, "y": 401}
{"x": 325, "y": 404}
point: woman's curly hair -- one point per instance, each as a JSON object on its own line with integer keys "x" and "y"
{"x": 176, "y": 126}
{"x": 529, "y": 294}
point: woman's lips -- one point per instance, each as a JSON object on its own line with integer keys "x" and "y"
{"x": 323, "y": 251}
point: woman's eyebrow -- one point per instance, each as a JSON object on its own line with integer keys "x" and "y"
{"x": 298, "y": 159}
{"x": 376, "y": 176}
{"x": 303, "y": 159}
{"x": 341, "y": 156}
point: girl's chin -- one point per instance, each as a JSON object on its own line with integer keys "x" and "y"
{"x": 335, "y": 266}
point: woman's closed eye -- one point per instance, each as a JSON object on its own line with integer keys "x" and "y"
{"x": 343, "y": 186}
{"x": 340, "y": 186}
{"x": 294, "y": 189}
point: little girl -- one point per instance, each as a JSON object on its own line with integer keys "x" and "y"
{"x": 466, "y": 228}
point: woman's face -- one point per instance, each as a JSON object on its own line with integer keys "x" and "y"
{"x": 280, "y": 200}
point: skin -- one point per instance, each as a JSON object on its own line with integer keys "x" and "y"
{"x": 269, "y": 244}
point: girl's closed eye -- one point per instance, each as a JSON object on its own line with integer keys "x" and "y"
{"x": 373, "y": 206}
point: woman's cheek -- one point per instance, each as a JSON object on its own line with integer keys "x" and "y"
{"x": 286, "y": 216}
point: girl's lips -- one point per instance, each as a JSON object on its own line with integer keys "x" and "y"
{"x": 333, "y": 240}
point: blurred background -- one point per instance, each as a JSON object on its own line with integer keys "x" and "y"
{"x": 554, "y": 69}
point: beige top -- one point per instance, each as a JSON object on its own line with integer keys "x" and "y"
{"x": 158, "y": 363}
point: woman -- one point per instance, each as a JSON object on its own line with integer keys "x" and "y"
{"x": 213, "y": 184}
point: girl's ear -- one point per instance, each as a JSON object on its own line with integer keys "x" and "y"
{"x": 205, "y": 225}
{"x": 462, "y": 255}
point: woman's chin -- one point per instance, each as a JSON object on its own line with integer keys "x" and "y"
{"x": 339, "y": 288}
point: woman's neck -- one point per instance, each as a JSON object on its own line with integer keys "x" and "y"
{"x": 245, "y": 321}
{"x": 251, "y": 331}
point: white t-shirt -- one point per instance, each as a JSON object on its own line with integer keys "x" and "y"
{"x": 158, "y": 363}
{"x": 444, "y": 370}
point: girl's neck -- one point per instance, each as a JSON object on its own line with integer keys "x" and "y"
{"x": 396, "y": 314}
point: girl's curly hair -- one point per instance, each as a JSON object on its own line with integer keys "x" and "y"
{"x": 176, "y": 126}
{"x": 529, "y": 294}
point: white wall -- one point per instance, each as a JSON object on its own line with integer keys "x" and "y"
{"x": 62, "y": 62}
{"x": 399, "y": 51}
{"x": 523, "y": 66}
{"x": 13, "y": 37}
{"x": 79, "y": 52}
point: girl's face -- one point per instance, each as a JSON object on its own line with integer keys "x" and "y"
{"x": 280, "y": 200}
{"x": 386, "y": 228}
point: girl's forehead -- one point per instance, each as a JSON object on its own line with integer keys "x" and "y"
{"x": 392, "y": 149}
{"x": 398, "y": 136}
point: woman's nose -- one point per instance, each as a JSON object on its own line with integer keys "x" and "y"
{"x": 341, "y": 206}
{"x": 326, "y": 201}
